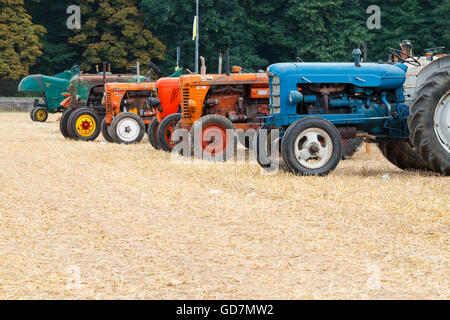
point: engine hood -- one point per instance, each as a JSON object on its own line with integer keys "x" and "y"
{"x": 374, "y": 75}
{"x": 32, "y": 83}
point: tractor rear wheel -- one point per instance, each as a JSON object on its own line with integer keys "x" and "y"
{"x": 429, "y": 122}
{"x": 402, "y": 154}
{"x": 63, "y": 124}
{"x": 165, "y": 131}
{"x": 127, "y": 128}
{"x": 40, "y": 114}
{"x": 312, "y": 146}
{"x": 151, "y": 133}
{"x": 209, "y": 139}
{"x": 84, "y": 124}
{"x": 105, "y": 131}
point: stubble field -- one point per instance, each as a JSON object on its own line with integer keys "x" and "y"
{"x": 104, "y": 221}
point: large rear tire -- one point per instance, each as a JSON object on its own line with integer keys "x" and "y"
{"x": 402, "y": 155}
{"x": 429, "y": 122}
{"x": 84, "y": 124}
{"x": 165, "y": 131}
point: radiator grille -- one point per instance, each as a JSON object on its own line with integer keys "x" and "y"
{"x": 186, "y": 114}
{"x": 108, "y": 103}
{"x": 73, "y": 98}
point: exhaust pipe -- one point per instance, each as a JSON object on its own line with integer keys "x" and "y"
{"x": 220, "y": 62}
{"x": 203, "y": 67}
{"x": 138, "y": 72}
{"x": 104, "y": 73}
{"x": 227, "y": 59}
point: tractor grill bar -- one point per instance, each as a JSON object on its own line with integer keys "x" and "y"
{"x": 186, "y": 110}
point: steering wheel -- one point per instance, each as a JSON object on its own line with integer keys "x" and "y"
{"x": 398, "y": 53}
{"x": 153, "y": 67}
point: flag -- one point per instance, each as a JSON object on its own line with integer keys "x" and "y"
{"x": 194, "y": 31}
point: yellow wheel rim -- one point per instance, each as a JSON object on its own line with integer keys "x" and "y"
{"x": 85, "y": 125}
{"x": 40, "y": 115}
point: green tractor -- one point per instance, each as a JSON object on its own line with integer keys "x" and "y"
{"x": 85, "y": 104}
{"x": 51, "y": 88}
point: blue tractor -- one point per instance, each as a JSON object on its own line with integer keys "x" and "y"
{"x": 404, "y": 106}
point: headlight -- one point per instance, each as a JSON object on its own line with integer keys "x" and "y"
{"x": 295, "y": 97}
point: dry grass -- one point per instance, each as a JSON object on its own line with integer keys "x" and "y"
{"x": 95, "y": 220}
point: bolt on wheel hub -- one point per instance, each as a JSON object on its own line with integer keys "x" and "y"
{"x": 313, "y": 148}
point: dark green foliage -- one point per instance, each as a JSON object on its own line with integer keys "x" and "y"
{"x": 270, "y": 31}
{"x": 58, "y": 55}
{"x": 261, "y": 32}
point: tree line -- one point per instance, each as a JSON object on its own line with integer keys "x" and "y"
{"x": 34, "y": 37}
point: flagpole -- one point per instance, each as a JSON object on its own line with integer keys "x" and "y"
{"x": 196, "y": 38}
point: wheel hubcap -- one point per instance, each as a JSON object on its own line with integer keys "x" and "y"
{"x": 313, "y": 148}
{"x": 40, "y": 115}
{"x": 85, "y": 125}
{"x": 442, "y": 121}
{"x": 128, "y": 130}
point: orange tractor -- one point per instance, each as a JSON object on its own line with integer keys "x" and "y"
{"x": 214, "y": 104}
{"x": 167, "y": 114}
{"x": 134, "y": 108}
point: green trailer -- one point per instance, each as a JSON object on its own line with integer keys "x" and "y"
{"x": 51, "y": 88}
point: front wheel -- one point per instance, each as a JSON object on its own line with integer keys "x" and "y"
{"x": 63, "y": 124}
{"x": 152, "y": 133}
{"x": 213, "y": 138}
{"x": 39, "y": 114}
{"x": 84, "y": 124}
{"x": 127, "y": 128}
{"x": 165, "y": 131}
{"x": 312, "y": 146}
{"x": 105, "y": 131}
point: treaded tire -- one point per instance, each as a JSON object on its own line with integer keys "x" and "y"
{"x": 222, "y": 124}
{"x": 40, "y": 109}
{"x": 350, "y": 147}
{"x": 63, "y": 123}
{"x": 402, "y": 155}
{"x": 301, "y": 126}
{"x": 117, "y": 123}
{"x": 32, "y": 114}
{"x": 164, "y": 133}
{"x": 74, "y": 132}
{"x": 151, "y": 133}
{"x": 421, "y": 122}
{"x": 105, "y": 131}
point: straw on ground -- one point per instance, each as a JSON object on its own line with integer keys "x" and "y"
{"x": 96, "y": 220}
